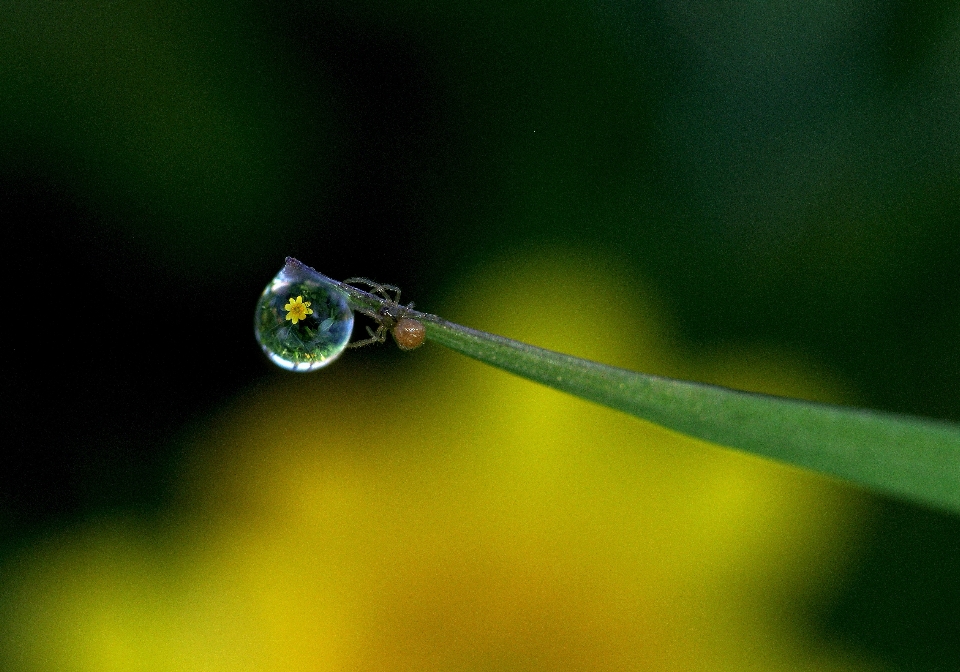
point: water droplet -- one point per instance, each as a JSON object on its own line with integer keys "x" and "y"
{"x": 303, "y": 322}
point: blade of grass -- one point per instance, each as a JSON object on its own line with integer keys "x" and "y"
{"x": 913, "y": 458}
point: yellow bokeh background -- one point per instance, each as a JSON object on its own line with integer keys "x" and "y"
{"x": 431, "y": 513}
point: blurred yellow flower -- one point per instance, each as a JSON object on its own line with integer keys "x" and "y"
{"x": 297, "y": 309}
{"x": 503, "y": 526}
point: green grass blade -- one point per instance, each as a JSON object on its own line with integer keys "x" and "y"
{"x": 909, "y": 457}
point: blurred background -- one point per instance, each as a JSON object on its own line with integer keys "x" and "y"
{"x": 761, "y": 195}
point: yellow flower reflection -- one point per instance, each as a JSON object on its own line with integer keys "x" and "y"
{"x": 502, "y": 526}
{"x": 297, "y": 309}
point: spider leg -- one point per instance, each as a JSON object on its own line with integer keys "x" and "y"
{"x": 377, "y": 288}
{"x": 395, "y": 290}
{"x": 362, "y": 281}
{"x": 372, "y": 314}
{"x": 360, "y": 344}
{"x": 379, "y": 337}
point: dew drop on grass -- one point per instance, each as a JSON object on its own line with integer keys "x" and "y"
{"x": 302, "y": 322}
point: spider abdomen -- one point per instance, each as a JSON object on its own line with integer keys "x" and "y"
{"x": 408, "y": 333}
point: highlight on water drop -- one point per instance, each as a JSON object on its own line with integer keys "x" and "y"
{"x": 302, "y": 322}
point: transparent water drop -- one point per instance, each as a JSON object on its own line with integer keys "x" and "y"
{"x": 303, "y": 321}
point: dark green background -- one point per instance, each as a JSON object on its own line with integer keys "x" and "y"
{"x": 781, "y": 173}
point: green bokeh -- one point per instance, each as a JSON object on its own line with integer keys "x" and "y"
{"x": 180, "y": 122}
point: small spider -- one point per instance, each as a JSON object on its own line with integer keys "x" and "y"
{"x": 392, "y": 317}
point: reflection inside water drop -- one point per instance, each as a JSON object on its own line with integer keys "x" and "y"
{"x": 302, "y": 322}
